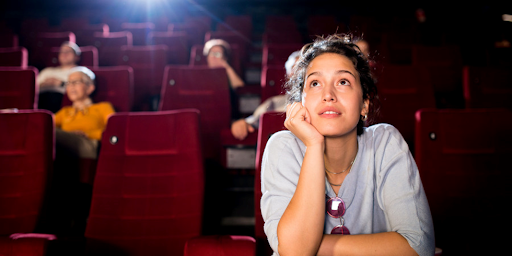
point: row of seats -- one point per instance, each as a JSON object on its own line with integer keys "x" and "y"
{"x": 135, "y": 210}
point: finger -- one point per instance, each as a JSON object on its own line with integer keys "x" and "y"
{"x": 250, "y": 128}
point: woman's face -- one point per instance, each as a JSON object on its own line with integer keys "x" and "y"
{"x": 67, "y": 56}
{"x": 333, "y": 95}
{"x": 215, "y": 56}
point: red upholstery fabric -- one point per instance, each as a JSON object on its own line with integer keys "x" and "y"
{"x": 139, "y": 31}
{"x": 194, "y": 31}
{"x": 436, "y": 55}
{"x": 239, "y": 23}
{"x": 26, "y": 159}
{"x": 270, "y": 123}
{"x": 487, "y": 87}
{"x": 290, "y": 36}
{"x": 148, "y": 192}
{"x": 85, "y": 35}
{"x": 148, "y": 63}
{"x": 272, "y": 81}
{"x": 15, "y": 56}
{"x": 113, "y": 84}
{"x": 177, "y": 45}
{"x": 279, "y": 23}
{"x": 18, "y": 87}
{"x": 89, "y": 57}
{"x": 23, "y": 247}
{"x": 198, "y": 59}
{"x": 277, "y": 54}
{"x": 403, "y": 90}
{"x": 221, "y": 246}
{"x": 109, "y": 46}
{"x": 9, "y": 40}
{"x": 204, "y": 89}
{"x": 319, "y": 25}
{"x": 462, "y": 157}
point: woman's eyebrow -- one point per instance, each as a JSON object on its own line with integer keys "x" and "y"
{"x": 314, "y": 73}
{"x": 345, "y": 71}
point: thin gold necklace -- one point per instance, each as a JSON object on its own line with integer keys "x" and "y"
{"x": 348, "y": 168}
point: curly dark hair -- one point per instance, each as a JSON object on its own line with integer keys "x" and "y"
{"x": 341, "y": 44}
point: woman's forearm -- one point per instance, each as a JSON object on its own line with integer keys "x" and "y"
{"x": 300, "y": 229}
{"x": 388, "y": 243}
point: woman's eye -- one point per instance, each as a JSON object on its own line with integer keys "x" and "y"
{"x": 314, "y": 84}
{"x": 344, "y": 82}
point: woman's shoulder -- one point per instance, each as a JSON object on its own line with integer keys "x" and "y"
{"x": 284, "y": 141}
{"x": 384, "y": 134}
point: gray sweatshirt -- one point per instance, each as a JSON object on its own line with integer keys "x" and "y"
{"x": 383, "y": 191}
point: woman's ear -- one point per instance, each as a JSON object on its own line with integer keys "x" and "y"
{"x": 366, "y": 107}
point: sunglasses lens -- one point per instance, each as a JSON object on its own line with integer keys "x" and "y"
{"x": 340, "y": 230}
{"x": 335, "y": 207}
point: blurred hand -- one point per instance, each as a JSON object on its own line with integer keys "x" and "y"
{"x": 298, "y": 121}
{"x": 214, "y": 62}
{"x": 240, "y": 129}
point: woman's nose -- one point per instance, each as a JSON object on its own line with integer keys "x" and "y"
{"x": 328, "y": 94}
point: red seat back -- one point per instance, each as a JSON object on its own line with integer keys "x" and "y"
{"x": 139, "y": 31}
{"x": 272, "y": 81}
{"x": 85, "y": 35}
{"x": 403, "y": 90}
{"x": 224, "y": 245}
{"x": 148, "y": 63}
{"x": 194, "y": 31}
{"x": 18, "y": 87}
{"x": 26, "y": 156}
{"x": 15, "y": 56}
{"x": 44, "y": 42}
{"x": 114, "y": 85}
{"x": 277, "y": 54}
{"x": 462, "y": 156}
{"x": 487, "y": 87}
{"x": 177, "y": 45}
{"x": 270, "y": 123}
{"x": 239, "y": 23}
{"x": 205, "y": 89}
{"x": 109, "y": 46}
{"x": 9, "y": 40}
{"x": 148, "y": 191}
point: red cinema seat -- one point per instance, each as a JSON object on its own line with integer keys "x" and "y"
{"x": 85, "y": 35}
{"x": 88, "y": 57}
{"x": 223, "y": 245}
{"x": 114, "y": 85}
{"x": 285, "y": 37}
{"x": 139, "y": 31}
{"x": 272, "y": 81}
{"x": 462, "y": 156}
{"x": 148, "y": 63}
{"x": 74, "y": 23}
{"x": 148, "y": 192}
{"x": 29, "y": 28}
{"x": 177, "y": 45}
{"x": 18, "y": 87}
{"x": 436, "y": 55}
{"x": 499, "y": 57}
{"x": 8, "y": 40}
{"x": 319, "y": 25}
{"x": 198, "y": 59}
{"x": 14, "y": 57}
{"x": 26, "y": 157}
{"x": 403, "y": 90}
{"x": 239, "y": 23}
{"x": 270, "y": 123}
{"x": 109, "y": 46}
{"x": 487, "y": 87}
{"x": 205, "y": 89}
{"x": 277, "y": 54}
{"x": 204, "y": 23}
{"x": 194, "y": 32}
{"x": 43, "y": 43}
{"x": 280, "y": 23}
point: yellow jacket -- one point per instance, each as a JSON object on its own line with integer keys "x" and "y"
{"x": 92, "y": 120}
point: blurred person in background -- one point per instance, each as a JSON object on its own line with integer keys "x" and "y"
{"x": 242, "y": 127}
{"x": 51, "y": 80}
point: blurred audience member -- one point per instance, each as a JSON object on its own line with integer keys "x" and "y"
{"x": 218, "y": 54}
{"x": 244, "y": 126}
{"x": 80, "y": 126}
{"x": 51, "y": 80}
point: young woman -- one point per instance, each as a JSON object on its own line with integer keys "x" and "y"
{"x": 331, "y": 186}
